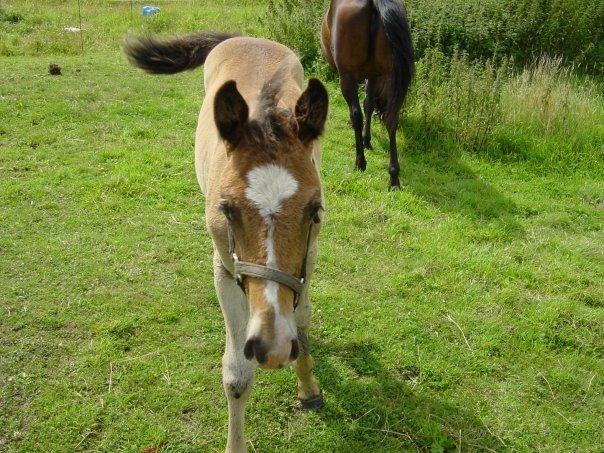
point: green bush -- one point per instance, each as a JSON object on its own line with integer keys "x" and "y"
{"x": 297, "y": 24}
{"x": 522, "y": 29}
{"x": 11, "y": 17}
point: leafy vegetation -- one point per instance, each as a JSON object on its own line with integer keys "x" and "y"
{"x": 528, "y": 115}
{"x": 522, "y": 29}
{"x": 9, "y": 16}
{"x": 463, "y": 312}
{"x": 297, "y": 24}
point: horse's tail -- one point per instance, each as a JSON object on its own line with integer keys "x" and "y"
{"x": 393, "y": 16}
{"x": 172, "y": 55}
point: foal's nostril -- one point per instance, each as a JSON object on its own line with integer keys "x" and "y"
{"x": 248, "y": 349}
{"x": 295, "y": 350}
{"x": 254, "y": 347}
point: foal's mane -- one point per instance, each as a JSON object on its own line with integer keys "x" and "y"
{"x": 271, "y": 124}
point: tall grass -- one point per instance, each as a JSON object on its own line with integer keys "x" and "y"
{"x": 465, "y": 96}
{"x": 296, "y": 23}
{"x": 540, "y": 113}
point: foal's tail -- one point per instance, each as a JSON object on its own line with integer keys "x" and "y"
{"x": 172, "y": 55}
{"x": 393, "y": 16}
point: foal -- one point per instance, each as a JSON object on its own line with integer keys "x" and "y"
{"x": 257, "y": 162}
{"x": 370, "y": 40}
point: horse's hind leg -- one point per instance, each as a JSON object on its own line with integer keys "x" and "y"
{"x": 394, "y": 167}
{"x": 350, "y": 90}
{"x": 237, "y": 371}
{"x": 369, "y": 106}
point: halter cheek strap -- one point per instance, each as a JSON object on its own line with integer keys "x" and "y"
{"x": 244, "y": 268}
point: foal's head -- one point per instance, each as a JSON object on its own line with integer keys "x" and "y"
{"x": 270, "y": 195}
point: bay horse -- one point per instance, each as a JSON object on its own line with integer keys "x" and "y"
{"x": 370, "y": 40}
{"x": 257, "y": 162}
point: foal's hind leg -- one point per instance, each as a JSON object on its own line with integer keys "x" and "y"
{"x": 369, "y": 106}
{"x": 350, "y": 90}
{"x": 237, "y": 371}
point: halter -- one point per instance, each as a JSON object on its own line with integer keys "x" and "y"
{"x": 242, "y": 268}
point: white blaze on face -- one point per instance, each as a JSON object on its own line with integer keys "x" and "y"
{"x": 267, "y": 187}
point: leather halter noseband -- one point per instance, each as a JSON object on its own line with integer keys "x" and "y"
{"x": 244, "y": 268}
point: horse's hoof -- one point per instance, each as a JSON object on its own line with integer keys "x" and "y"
{"x": 311, "y": 404}
{"x": 361, "y": 165}
{"x": 394, "y": 187}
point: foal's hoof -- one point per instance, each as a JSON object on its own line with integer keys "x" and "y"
{"x": 311, "y": 404}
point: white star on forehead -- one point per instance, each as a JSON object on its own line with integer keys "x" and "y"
{"x": 268, "y": 186}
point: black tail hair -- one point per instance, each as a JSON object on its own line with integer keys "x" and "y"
{"x": 393, "y": 16}
{"x": 172, "y": 55}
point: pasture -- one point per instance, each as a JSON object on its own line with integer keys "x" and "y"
{"x": 464, "y": 312}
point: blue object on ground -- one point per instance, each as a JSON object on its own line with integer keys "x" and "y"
{"x": 149, "y": 10}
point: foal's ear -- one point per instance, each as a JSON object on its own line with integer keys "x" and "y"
{"x": 230, "y": 113}
{"x": 311, "y": 111}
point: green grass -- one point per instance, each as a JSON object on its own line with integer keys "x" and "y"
{"x": 38, "y": 27}
{"x": 464, "y": 312}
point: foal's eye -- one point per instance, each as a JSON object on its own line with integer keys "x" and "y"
{"x": 313, "y": 213}
{"x": 227, "y": 210}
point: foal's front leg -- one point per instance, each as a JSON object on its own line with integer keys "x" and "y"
{"x": 309, "y": 395}
{"x": 237, "y": 371}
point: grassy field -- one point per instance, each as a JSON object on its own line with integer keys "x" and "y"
{"x": 462, "y": 313}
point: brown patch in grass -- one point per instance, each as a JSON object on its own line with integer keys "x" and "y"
{"x": 54, "y": 69}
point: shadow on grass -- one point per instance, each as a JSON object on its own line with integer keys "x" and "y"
{"x": 432, "y": 169}
{"x": 372, "y": 408}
